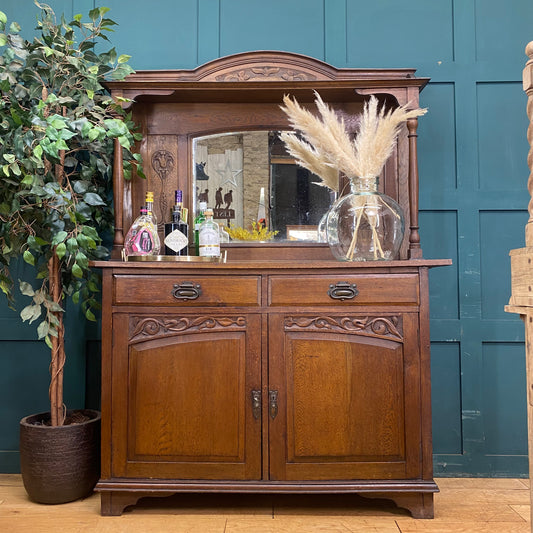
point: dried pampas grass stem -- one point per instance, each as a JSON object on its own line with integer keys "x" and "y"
{"x": 327, "y": 143}
{"x": 306, "y": 156}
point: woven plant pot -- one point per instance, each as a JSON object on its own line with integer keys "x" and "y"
{"x": 60, "y": 464}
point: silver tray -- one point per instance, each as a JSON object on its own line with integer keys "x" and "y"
{"x": 175, "y": 258}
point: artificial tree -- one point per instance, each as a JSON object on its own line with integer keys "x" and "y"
{"x": 58, "y": 132}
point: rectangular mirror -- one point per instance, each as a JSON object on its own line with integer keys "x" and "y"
{"x": 248, "y": 176}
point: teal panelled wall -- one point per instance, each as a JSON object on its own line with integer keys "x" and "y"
{"x": 473, "y": 197}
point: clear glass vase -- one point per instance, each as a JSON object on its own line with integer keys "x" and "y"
{"x": 322, "y": 235}
{"x": 365, "y": 225}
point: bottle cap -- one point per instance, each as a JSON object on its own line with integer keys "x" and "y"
{"x": 178, "y": 196}
{"x": 208, "y": 213}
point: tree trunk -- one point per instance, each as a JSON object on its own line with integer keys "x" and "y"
{"x": 57, "y": 363}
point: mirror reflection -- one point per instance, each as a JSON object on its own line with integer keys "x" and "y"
{"x": 248, "y": 177}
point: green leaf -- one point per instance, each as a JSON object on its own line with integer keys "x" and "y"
{"x": 92, "y": 198}
{"x": 52, "y": 133}
{"x": 72, "y": 245}
{"x": 89, "y": 315}
{"x": 26, "y": 289}
{"x": 90, "y": 232}
{"x": 96, "y": 133}
{"x": 39, "y": 297}
{"x": 92, "y": 286}
{"x": 14, "y": 27}
{"x": 94, "y": 14}
{"x": 54, "y": 307}
{"x": 59, "y": 237}
{"x": 3, "y": 17}
{"x": 10, "y": 158}
{"x": 124, "y": 58}
{"x": 81, "y": 186}
{"x": 124, "y": 142}
{"x": 30, "y": 313}
{"x": 61, "y": 250}
{"x": 15, "y": 168}
{"x": 38, "y": 151}
{"x": 35, "y": 242}
{"x": 66, "y": 134}
{"x": 28, "y": 257}
{"x": 115, "y": 127}
{"x": 86, "y": 128}
{"x": 77, "y": 271}
{"x": 78, "y": 17}
{"x": 61, "y": 145}
{"x": 43, "y": 329}
{"x": 3, "y": 39}
{"x": 76, "y": 297}
{"x": 16, "y": 117}
{"x": 57, "y": 123}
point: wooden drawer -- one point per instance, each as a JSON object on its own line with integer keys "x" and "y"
{"x": 343, "y": 290}
{"x": 186, "y": 290}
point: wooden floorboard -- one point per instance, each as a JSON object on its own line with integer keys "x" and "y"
{"x": 469, "y": 505}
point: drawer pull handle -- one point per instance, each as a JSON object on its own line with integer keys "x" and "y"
{"x": 256, "y": 404}
{"x": 273, "y": 403}
{"x": 187, "y": 290}
{"x": 342, "y": 290}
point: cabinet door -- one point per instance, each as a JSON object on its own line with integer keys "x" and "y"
{"x": 181, "y": 397}
{"x": 348, "y": 397}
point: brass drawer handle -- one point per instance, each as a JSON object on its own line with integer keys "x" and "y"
{"x": 187, "y": 290}
{"x": 342, "y": 290}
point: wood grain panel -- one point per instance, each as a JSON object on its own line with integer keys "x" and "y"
{"x": 385, "y": 289}
{"x": 229, "y": 290}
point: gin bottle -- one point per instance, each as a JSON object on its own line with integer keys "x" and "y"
{"x": 177, "y": 231}
{"x": 209, "y": 237}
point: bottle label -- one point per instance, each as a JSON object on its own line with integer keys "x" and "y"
{"x": 142, "y": 242}
{"x": 209, "y": 243}
{"x": 176, "y": 240}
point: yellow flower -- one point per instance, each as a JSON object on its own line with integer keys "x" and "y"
{"x": 258, "y": 233}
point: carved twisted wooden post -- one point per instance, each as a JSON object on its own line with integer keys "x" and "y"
{"x": 521, "y": 300}
{"x": 528, "y": 88}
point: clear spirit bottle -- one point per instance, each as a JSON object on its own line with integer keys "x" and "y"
{"x": 142, "y": 237}
{"x": 209, "y": 237}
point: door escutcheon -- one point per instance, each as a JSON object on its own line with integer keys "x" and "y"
{"x": 256, "y": 404}
{"x": 273, "y": 403}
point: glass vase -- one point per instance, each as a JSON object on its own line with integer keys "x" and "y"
{"x": 321, "y": 231}
{"x": 365, "y": 225}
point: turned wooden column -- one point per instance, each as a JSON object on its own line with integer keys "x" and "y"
{"x": 415, "y": 251}
{"x": 521, "y": 301}
{"x": 118, "y": 191}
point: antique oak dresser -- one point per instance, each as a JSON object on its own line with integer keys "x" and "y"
{"x": 280, "y": 370}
